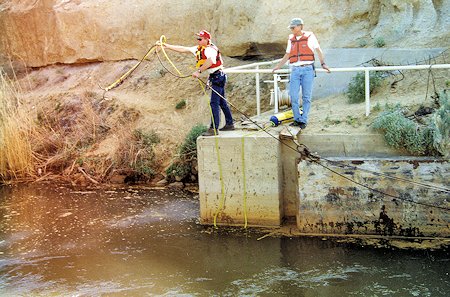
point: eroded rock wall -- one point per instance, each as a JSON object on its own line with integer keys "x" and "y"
{"x": 45, "y": 32}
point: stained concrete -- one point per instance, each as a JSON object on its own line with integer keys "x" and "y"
{"x": 330, "y": 204}
{"x": 232, "y": 162}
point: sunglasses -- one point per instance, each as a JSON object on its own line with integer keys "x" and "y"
{"x": 199, "y": 39}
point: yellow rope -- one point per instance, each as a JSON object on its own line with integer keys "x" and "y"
{"x": 162, "y": 40}
{"x": 245, "y": 184}
{"x": 126, "y": 74}
{"x": 244, "y": 178}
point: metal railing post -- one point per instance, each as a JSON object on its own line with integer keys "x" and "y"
{"x": 367, "y": 89}
{"x": 275, "y": 89}
{"x": 258, "y": 95}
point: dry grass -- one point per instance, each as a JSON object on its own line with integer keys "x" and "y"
{"x": 16, "y": 154}
{"x": 66, "y": 130}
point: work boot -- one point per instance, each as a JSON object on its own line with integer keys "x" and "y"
{"x": 295, "y": 124}
{"x": 298, "y": 124}
{"x": 210, "y": 132}
{"x": 227, "y": 128}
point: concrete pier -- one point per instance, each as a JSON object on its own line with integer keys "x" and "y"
{"x": 235, "y": 161}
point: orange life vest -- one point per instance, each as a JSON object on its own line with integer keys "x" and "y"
{"x": 201, "y": 57}
{"x": 300, "y": 50}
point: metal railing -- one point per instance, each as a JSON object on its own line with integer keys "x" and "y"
{"x": 276, "y": 78}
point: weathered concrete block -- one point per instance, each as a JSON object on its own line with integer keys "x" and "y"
{"x": 329, "y": 203}
{"x": 254, "y": 162}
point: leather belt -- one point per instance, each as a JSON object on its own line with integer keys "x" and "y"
{"x": 304, "y": 65}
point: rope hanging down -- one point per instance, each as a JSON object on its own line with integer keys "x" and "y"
{"x": 121, "y": 79}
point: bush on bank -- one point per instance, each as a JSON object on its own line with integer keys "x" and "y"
{"x": 356, "y": 88}
{"x": 431, "y": 138}
{"x": 183, "y": 167}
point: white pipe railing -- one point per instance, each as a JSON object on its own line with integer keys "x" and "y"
{"x": 254, "y": 65}
{"x": 257, "y": 71}
{"x": 258, "y": 96}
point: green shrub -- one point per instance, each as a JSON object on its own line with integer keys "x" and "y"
{"x": 146, "y": 138}
{"x": 141, "y": 154}
{"x": 181, "y": 167}
{"x": 352, "y": 121}
{"x": 362, "y": 43}
{"x": 356, "y": 88}
{"x": 440, "y": 126}
{"x": 377, "y": 107}
{"x": 189, "y": 145}
{"x": 430, "y": 139}
{"x": 330, "y": 121}
{"x": 400, "y": 132}
{"x": 379, "y": 42}
{"x": 178, "y": 169}
{"x": 144, "y": 167}
{"x": 181, "y": 104}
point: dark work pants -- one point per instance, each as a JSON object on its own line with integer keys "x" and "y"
{"x": 217, "y": 82}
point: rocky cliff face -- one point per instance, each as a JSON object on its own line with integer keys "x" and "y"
{"x": 46, "y": 32}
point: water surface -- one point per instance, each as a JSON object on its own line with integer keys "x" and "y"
{"x": 62, "y": 241}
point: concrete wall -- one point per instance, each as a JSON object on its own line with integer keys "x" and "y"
{"x": 280, "y": 185}
{"x": 332, "y": 204}
{"x": 325, "y": 145}
{"x": 262, "y": 179}
{"x": 289, "y": 186}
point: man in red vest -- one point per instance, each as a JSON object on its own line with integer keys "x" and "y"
{"x": 209, "y": 60}
{"x": 300, "y": 53}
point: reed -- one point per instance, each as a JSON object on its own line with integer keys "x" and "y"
{"x": 16, "y": 155}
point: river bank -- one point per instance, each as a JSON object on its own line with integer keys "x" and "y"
{"x": 132, "y": 134}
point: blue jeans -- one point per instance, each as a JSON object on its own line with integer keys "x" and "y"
{"x": 217, "y": 82}
{"x": 304, "y": 77}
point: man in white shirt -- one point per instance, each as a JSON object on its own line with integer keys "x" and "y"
{"x": 209, "y": 60}
{"x": 300, "y": 53}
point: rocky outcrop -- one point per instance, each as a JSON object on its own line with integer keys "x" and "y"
{"x": 45, "y": 32}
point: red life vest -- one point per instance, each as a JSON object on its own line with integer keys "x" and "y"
{"x": 300, "y": 50}
{"x": 201, "y": 57}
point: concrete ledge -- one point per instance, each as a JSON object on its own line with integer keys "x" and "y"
{"x": 355, "y": 145}
{"x": 329, "y": 203}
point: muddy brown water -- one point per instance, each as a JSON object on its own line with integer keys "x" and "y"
{"x": 57, "y": 240}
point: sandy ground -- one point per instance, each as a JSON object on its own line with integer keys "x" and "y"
{"x": 153, "y": 94}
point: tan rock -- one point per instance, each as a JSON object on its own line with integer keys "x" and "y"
{"x": 45, "y": 32}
